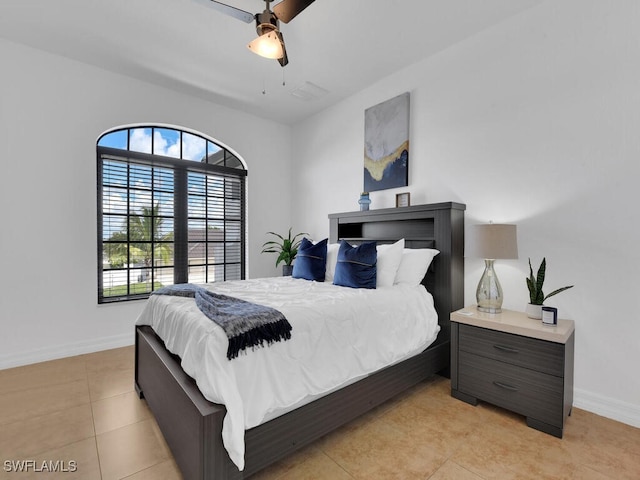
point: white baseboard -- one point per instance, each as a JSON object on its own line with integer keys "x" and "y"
{"x": 66, "y": 350}
{"x": 607, "y": 407}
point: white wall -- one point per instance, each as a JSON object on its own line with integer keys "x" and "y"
{"x": 52, "y": 111}
{"x": 535, "y": 121}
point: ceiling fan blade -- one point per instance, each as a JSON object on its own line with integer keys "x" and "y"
{"x": 229, "y": 10}
{"x": 284, "y": 60}
{"x": 288, "y": 9}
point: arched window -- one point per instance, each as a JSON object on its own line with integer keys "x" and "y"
{"x": 170, "y": 210}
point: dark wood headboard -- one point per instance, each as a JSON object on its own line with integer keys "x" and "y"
{"x": 436, "y": 225}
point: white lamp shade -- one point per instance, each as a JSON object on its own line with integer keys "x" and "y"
{"x": 267, "y": 45}
{"x": 492, "y": 241}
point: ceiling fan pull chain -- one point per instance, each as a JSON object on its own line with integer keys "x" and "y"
{"x": 264, "y": 84}
{"x": 283, "y": 81}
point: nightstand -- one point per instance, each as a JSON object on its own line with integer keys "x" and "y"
{"x": 514, "y": 362}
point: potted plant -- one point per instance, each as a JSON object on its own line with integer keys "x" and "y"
{"x": 286, "y": 248}
{"x": 536, "y": 295}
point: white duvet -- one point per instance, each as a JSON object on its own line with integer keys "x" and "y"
{"x": 339, "y": 335}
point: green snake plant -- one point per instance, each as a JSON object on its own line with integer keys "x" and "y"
{"x": 536, "y": 295}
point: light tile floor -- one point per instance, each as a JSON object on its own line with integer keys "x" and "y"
{"x": 84, "y": 410}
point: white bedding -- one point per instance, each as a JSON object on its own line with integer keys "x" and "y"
{"x": 339, "y": 335}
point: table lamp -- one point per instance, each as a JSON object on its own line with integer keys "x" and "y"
{"x": 492, "y": 242}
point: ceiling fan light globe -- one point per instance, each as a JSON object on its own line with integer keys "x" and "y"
{"x": 267, "y": 45}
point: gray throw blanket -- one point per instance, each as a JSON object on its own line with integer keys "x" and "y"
{"x": 246, "y": 324}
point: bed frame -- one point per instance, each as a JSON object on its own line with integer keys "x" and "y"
{"x": 192, "y": 425}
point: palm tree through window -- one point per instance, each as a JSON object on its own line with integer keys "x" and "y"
{"x": 170, "y": 210}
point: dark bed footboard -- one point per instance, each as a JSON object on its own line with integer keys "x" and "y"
{"x": 192, "y": 426}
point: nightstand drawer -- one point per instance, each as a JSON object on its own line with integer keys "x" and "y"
{"x": 520, "y": 390}
{"x": 539, "y": 355}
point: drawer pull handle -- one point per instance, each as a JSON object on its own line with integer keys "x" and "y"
{"x": 506, "y": 386}
{"x": 506, "y": 349}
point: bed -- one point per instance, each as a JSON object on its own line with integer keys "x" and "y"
{"x": 192, "y": 425}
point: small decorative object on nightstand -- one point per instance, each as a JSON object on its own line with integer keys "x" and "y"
{"x": 492, "y": 241}
{"x": 549, "y": 316}
{"x": 516, "y": 363}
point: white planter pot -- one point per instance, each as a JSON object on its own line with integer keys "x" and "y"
{"x": 534, "y": 311}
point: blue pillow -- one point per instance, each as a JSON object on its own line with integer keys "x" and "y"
{"x": 356, "y": 267}
{"x": 311, "y": 261}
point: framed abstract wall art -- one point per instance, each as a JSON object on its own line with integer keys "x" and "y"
{"x": 386, "y": 144}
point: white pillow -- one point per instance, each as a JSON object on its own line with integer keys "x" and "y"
{"x": 414, "y": 265}
{"x": 332, "y": 260}
{"x": 389, "y": 257}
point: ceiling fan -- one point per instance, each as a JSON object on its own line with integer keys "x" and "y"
{"x": 270, "y": 42}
